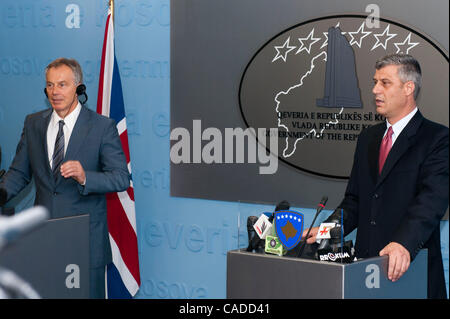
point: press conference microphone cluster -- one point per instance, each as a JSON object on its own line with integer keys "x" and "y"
{"x": 320, "y": 207}
{"x": 255, "y": 242}
{"x": 334, "y": 248}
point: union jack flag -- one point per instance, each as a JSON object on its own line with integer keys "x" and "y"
{"x": 122, "y": 275}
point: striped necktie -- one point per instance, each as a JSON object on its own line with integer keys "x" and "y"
{"x": 58, "y": 153}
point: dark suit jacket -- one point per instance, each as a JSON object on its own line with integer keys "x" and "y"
{"x": 96, "y": 144}
{"x": 406, "y": 202}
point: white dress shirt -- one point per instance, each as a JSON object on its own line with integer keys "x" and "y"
{"x": 398, "y": 127}
{"x": 53, "y": 127}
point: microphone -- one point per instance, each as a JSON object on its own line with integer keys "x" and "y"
{"x": 253, "y": 238}
{"x": 273, "y": 243}
{"x": 283, "y": 205}
{"x": 320, "y": 206}
{"x": 335, "y": 235}
{"x": 11, "y": 228}
{"x": 329, "y": 232}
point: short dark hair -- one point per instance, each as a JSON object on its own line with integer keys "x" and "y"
{"x": 72, "y": 64}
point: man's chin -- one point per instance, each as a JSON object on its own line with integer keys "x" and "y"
{"x": 380, "y": 110}
{"x": 59, "y": 108}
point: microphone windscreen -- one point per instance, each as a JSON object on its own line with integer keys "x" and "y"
{"x": 251, "y": 220}
{"x": 335, "y": 232}
{"x": 283, "y": 205}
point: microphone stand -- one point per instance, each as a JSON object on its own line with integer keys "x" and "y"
{"x": 319, "y": 209}
{"x": 307, "y": 234}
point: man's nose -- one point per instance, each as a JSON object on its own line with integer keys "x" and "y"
{"x": 376, "y": 89}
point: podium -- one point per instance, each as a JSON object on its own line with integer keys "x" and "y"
{"x": 53, "y": 259}
{"x": 264, "y": 276}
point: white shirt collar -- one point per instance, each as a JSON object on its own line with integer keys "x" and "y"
{"x": 69, "y": 120}
{"x": 398, "y": 127}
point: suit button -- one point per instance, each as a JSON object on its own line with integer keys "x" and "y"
{"x": 373, "y": 223}
{"x": 55, "y": 193}
{"x": 375, "y": 196}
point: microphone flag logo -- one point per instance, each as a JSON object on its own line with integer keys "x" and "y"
{"x": 289, "y": 227}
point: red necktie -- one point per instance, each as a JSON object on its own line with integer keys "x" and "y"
{"x": 385, "y": 147}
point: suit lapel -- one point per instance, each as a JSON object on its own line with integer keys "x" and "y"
{"x": 401, "y": 145}
{"x": 79, "y": 133}
{"x": 46, "y": 116}
{"x": 374, "y": 150}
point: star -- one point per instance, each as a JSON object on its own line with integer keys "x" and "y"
{"x": 285, "y": 47}
{"x": 385, "y": 33}
{"x": 360, "y": 30}
{"x": 310, "y": 38}
{"x": 325, "y": 43}
{"x": 338, "y": 25}
{"x": 410, "y": 44}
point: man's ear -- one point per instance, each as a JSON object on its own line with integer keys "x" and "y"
{"x": 409, "y": 88}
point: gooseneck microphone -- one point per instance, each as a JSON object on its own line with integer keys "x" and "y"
{"x": 320, "y": 206}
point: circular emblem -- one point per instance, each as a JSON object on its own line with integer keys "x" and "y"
{"x": 314, "y": 83}
{"x": 273, "y": 243}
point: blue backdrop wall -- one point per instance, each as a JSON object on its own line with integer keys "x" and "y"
{"x": 182, "y": 242}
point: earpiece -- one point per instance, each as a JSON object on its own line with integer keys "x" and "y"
{"x": 81, "y": 89}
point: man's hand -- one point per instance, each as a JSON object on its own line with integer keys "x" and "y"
{"x": 399, "y": 260}
{"x": 75, "y": 170}
{"x": 312, "y": 235}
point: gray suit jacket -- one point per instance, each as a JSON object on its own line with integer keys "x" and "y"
{"x": 95, "y": 143}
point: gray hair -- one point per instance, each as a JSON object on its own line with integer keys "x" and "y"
{"x": 72, "y": 64}
{"x": 409, "y": 69}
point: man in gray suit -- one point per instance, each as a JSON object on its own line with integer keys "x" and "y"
{"x": 75, "y": 156}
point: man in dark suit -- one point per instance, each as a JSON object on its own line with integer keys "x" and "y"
{"x": 398, "y": 188}
{"x": 75, "y": 156}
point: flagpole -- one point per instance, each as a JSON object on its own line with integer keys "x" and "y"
{"x": 111, "y": 5}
